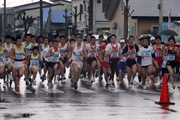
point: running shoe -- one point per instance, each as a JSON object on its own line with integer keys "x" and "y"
{"x": 130, "y": 86}
{"x": 43, "y": 78}
{"x": 117, "y": 79}
{"x": 64, "y": 77}
{"x": 100, "y": 78}
{"x": 10, "y": 77}
{"x": 34, "y": 82}
{"x": 63, "y": 81}
{"x": 93, "y": 79}
{"x": 133, "y": 82}
{"x": 58, "y": 77}
{"x": 174, "y": 87}
{"x": 122, "y": 82}
{"x": 69, "y": 76}
{"x": 145, "y": 87}
{"x": 81, "y": 76}
{"x": 27, "y": 83}
{"x": 17, "y": 89}
{"x": 110, "y": 82}
{"x": 5, "y": 84}
{"x": 50, "y": 85}
{"x": 75, "y": 85}
{"x": 107, "y": 85}
{"x": 113, "y": 85}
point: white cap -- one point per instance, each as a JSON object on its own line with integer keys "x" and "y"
{"x": 122, "y": 41}
{"x": 152, "y": 38}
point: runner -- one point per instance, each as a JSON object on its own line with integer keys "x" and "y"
{"x": 46, "y": 63}
{"x": 146, "y": 54}
{"x": 101, "y": 47}
{"x": 105, "y": 65}
{"x": 122, "y": 64}
{"x": 43, "y": 54}
{"x": 57, "y": 38}
{"x": 171, "y": 52}
{"x": 85, "y": 65}
{"x": 34, "y": 62}
{"x": 72, "y": 41}
{"x": 78, "y": 53}
{"x": 3, "y": 51}
{"x": 63, "y": 60}
{"x": 17, "y": 54}
{"x": 139, "y": 62}
{"x": 130, "y": 51}
{"x": 113, "y": 49}
{"x": 159, "y": 52}
{"x": 7, "y": 60}
{"x": 33, "y": 40}
{"x": 91, "y": 60}
{"x": 54, "y": 55}
{"x": 29, "y": 46}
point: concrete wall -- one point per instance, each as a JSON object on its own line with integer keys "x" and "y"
{"x": 119, "y": 18}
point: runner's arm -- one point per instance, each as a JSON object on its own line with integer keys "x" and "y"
{"x": 25, "y": 53}
{"x": 85, "y": 53}
{"x": 48, "y": 53}
{"x": 12, "y": 53}
{"x": 40, "y": 59}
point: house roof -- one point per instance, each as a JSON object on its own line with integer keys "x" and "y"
{"x": 111, "y": 9}
{"x": 148, "y": 8}
{"x": 32, "y": 4}
{"x": 57, "y": 17}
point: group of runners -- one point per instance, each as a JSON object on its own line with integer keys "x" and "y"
{"x": 151, "y": 59}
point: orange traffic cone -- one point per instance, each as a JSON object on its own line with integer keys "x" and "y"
{"x": 164, "y": 99}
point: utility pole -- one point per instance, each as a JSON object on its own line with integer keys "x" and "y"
{"x": 90, "y": 10}
{"x": 126, "y": 16}
{"x": 41, "y": 18}
{"x": 66, "y": 23}
{"x": 160, "y": 7}
{"x": 75, "y": 19}
{"x": 4, "y": 19}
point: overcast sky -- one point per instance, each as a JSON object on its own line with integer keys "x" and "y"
{"x": 11, "y": 3}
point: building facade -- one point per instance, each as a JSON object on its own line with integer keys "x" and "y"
{"x": 100, "y": 24}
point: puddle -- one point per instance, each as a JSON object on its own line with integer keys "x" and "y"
{"x": 24, "y": 115}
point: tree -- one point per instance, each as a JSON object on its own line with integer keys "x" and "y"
{"x": 66, "y": 22}
{"x": 126, "y": 14}
{"x": 27, "y": 21}
{"x": 75, "y": 19}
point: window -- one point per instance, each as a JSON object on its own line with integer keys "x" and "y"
{"x": 133, "y": 30}
{"x": 155, "y": 28}
{"x": 98, "y": 1}
{"x": 120, "y": 32}
{"x": 121, "y": 4}
{"x": 105, "y": 5}
{"x": 113, "y": 31}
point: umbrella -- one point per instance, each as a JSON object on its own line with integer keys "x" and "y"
{"x": 168, "y": 32}
{"x": 145, "y": 36}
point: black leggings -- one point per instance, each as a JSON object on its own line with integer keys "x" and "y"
{"x": 113, "y": 66}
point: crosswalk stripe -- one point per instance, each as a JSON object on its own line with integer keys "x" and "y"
{"x": 52, "y": 90}
{"x": 84, "y": 90}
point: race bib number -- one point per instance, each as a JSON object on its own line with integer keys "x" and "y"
{"x": 79, "y": 58}
{"x": 54, "y": 59}
{"x": 1, "y": 57}
{"x": 115, "y": 54}
{"x": 28, "y": 52}
{"x": 171, "y": 58}
{"x": 106, "y": 59}
{"x": 34, "y": 62}
{"x": 157, "y": 54}
{"x": 19, "y": 57}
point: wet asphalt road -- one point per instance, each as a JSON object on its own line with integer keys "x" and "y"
{"x": 87, "y": 103}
